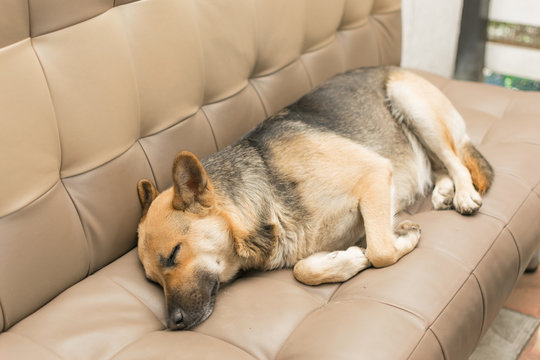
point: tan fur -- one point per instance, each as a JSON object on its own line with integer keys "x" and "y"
{"x": 343, "y": 189}
{"x": 432, "y": 117}
{"x": 447, "y": 135}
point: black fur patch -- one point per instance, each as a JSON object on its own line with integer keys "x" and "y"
{"x": 263, "y": 240}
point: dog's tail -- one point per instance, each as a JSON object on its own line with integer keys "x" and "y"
{"x": 480, "y": 169}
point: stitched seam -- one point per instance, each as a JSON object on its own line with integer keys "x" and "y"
{"x": 387, "y": 12}
{"x": 244, "y": 87}
{"x": 128, "y": 292}
{"x": 472, "y": 271}
{"x": 366, "y": 21}
{"x": 383, "y": 26}
{"x": 227, "y": 342}
{"x": 524, "y": 141}
{"x": 198, "y": 333}
{"x": 148, "y": 161}
{"x": 484, "y": 309}
{"x": 73, "y": 24}
{"x": 459, "y": 290}
{"x": 277, "y": 70}
{"x": 307, "y": 72}
{"x": 417, "y": 344}
{"x": 506, "y": 171}
{"x": 29, "y": 19}
{"x": 291, "y": 285}
{"x": 383, "y": 302}
{"x": 518, "y": 253}
{"x": 356, "y": 301}
{"x": 4, "y": 320}
{"x": 511, "y": 101}
{"x": 512, "y": 218}
{"x": 493, "y": 216}
{"x": 31, "y": 201}
{"x": 439, "y": 342}
{"x": 334, "y": 293}
{"x": 374, "y": 34}
{"x": 88, "y": 249}
{"x": 260, "y": 98}
{"x": 285, "y": 342}
{"x": 171, "y": 125}
{"x": 102, "y": 164}
{"x": 211, "y": 129}
{"x": 36, "y": 343}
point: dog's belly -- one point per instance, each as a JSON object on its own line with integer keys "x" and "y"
{"x": 337, "y": 227}
{"x": 338, "y": 230}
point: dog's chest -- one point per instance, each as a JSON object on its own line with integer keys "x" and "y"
{"x": 336, "y": 227}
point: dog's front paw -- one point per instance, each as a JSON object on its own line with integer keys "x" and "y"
{"x": 337, "y": 266}
{"x": 467, "y": 202}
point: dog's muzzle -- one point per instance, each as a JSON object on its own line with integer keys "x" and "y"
{"x": 188, "y": 309}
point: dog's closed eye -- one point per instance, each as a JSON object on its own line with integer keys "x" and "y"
{"x": 170, "y": 261}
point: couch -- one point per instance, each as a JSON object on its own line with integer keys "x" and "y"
{"x": 97, "y": 94}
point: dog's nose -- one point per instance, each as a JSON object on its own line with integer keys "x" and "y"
{"x": 176, "y": 320}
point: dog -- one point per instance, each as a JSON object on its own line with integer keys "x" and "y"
{"x": 302, "y": 188}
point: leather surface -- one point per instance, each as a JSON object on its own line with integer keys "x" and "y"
{"x": 94, "y": 93}
{"x": 43, "y": 252}
{"x": 161, "y": 147}
{"x": 13, "y": 22}
{"x": 104, "y": 94}
{"x": 49, "y": 15}
{"x": 98, "y": 94}
{"x": 110, "y": 219}
{"x": 29, "y": 168}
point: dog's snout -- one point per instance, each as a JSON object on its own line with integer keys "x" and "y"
{"x": 176, "y": 320}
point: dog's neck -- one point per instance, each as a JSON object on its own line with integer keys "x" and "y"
{"x": 254, "y": 241}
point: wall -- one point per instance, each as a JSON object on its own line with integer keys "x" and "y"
{"x": 430, "y": 34}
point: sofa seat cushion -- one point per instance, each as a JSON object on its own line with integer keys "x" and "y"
{"x": 434, "y": 303}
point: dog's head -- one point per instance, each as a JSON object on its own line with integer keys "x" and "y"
{"x": 185, "y": 242}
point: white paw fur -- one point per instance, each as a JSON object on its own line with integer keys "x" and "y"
{"x": 408, "y": 236}
{"x": 467, "y": 202}
{"x": 442, "y": 197}
{"x": 327, "y": 267}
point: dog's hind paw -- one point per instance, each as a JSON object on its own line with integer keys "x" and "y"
{"x": 408, "y": 234}
{"x": 467, "y": 202}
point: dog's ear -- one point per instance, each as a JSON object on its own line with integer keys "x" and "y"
{"x": 192, "y": 190}
{"x": 147, "y": 194}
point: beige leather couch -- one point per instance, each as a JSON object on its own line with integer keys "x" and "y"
{"x": 95, "y": 96}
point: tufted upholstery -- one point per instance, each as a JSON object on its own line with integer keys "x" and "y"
{"x": 96, "y": 95}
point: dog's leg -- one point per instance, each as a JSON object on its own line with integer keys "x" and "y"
{"x": 441, "y": 129}
{"x": 384, "y": 246}
{"x": 328, "y": 267}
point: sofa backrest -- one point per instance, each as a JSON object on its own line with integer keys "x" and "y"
{"x": 97, "y": 94}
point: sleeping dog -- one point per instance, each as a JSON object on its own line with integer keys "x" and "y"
{"x": 302, "y": 188}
